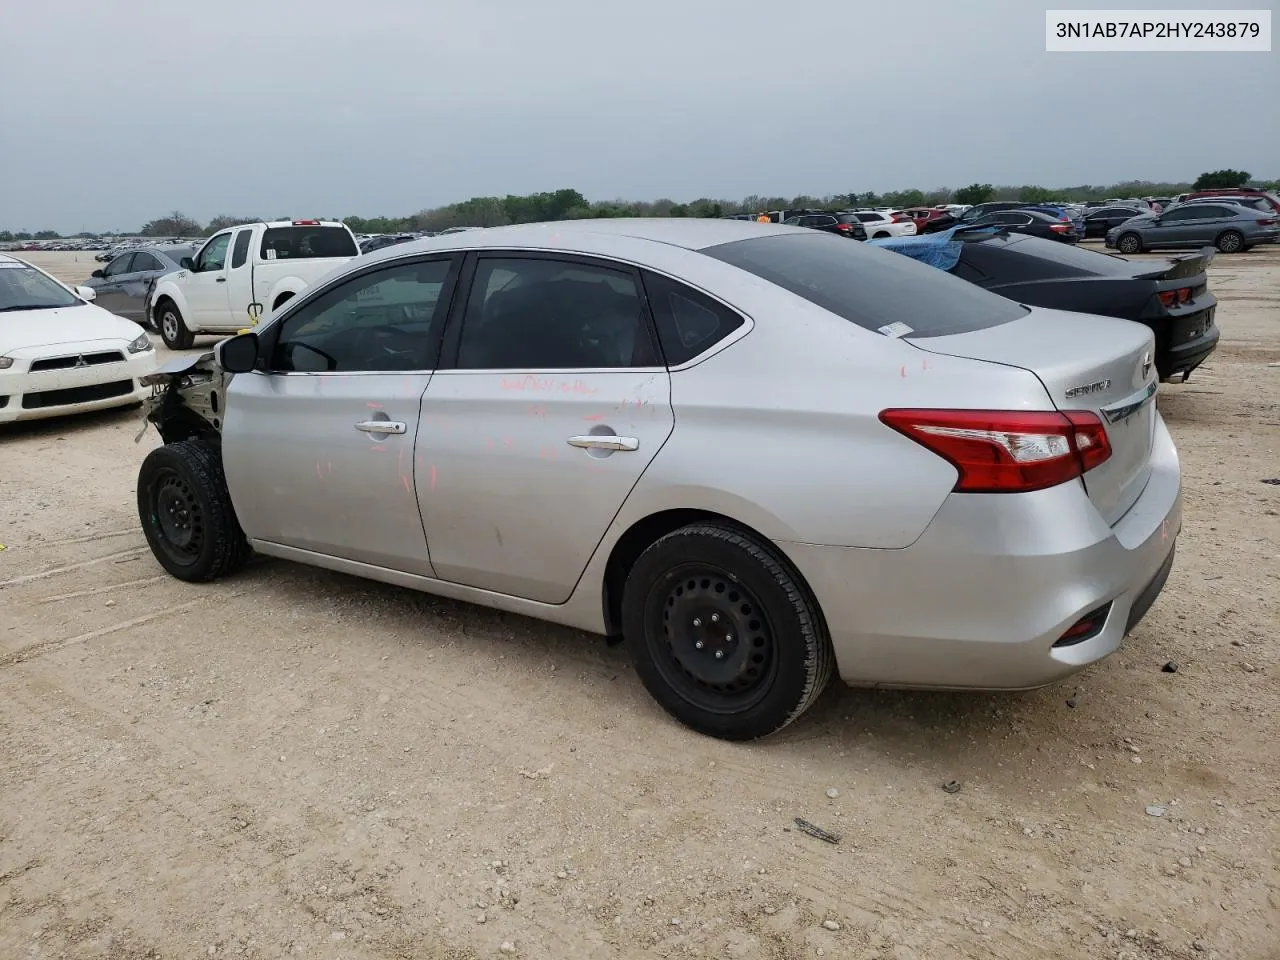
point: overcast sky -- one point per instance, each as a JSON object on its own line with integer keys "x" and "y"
{"x": 117, "y": 111}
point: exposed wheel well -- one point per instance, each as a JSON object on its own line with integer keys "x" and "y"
{"x": 642, "y": 534}
{"x": 282, "y": 299}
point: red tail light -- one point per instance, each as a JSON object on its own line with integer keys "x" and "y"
{"x": 306, "y": 223}
{"x": 1268, "y": 222}
{"x": 1059, "y": 227}
{"x": 844, "y": 227}
{"x": 1171, "y": 298}
{"x": 1007, "y": 451}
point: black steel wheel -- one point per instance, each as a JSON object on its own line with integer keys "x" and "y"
{"x": 723, "y": 633}
{"x": 186, "y": 511}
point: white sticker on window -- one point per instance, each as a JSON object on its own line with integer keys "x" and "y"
{"x": 895, "y": 329}
{"x": 13, "y": 266}
{"x": 271, "y": 254}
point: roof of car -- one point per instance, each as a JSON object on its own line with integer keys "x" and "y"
{"x": 689, "y": 233}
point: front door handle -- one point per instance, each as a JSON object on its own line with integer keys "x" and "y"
{"x": 382, "y": 426}
{"x": 605, "y": 441}
{"x": 221, "y": 280}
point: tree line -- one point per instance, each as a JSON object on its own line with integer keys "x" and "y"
{"x": 569, "y": 204}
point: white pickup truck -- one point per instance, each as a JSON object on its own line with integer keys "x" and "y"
{"x": 243, "y": 273}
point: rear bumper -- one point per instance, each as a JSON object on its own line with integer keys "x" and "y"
{"x": 1185, "y": 357}
{"x": 980, "y": 599}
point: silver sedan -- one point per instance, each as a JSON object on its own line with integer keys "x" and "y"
{"x": 756, "y": 454}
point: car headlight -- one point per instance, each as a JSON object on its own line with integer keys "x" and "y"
{"x": 141, "y": 345}
{"x": 6, "y": 363}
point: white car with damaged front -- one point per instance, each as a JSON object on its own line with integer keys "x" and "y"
{"x": 59, "y": 353}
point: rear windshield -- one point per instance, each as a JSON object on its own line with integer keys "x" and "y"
{"x": 1049, "y": 258}
{"x": 870, "y": 287}
{"x": 307, "y": 243}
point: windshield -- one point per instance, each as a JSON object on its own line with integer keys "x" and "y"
{"x": 875, "y": 289}
{"x": 25, "y": 288}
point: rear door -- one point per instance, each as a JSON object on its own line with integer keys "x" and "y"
{"x": 550, "y": 402}
{"x": 319, "y": 445}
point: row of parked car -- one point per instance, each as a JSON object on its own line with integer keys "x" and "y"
{"x": 1232, "y": 220}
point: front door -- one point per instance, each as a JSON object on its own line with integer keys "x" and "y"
{"x": 206, "y": 287}
{"x": 111, "y": 290}
{"x": 319, "y": 445}
{"x": 549, "y": 404}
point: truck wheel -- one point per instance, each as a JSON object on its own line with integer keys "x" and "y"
{"x": 173, "y": 329}
{"x": 186, "y": 512}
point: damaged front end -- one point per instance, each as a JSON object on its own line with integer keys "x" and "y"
{"x": 187, "y": 398}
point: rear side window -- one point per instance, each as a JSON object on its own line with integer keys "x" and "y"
{"x": 688, "y": 322}
{"x": 307, "y": 243}
{"x": 240, "y": 249}
{"x": 870, "y": 287}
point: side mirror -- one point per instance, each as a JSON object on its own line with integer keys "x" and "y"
{"x": 97, "y": 275}
{"x": 87, "y": 293}
{"x": 186, "y": 263}
{"x": 238, "y": 354}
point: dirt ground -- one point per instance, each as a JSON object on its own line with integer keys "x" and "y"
{"x": 295, "y": 762}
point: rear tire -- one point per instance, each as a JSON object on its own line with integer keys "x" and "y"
{"x": 186, "y": 512}
{"x": 1230, "y": 241}
{"x": 173, "y": 329}
{"x": 723, "y": 634}
{"x": 1129, "y": 243}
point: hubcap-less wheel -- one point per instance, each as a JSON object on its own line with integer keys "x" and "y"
{"x": 710, "y": 639}
{"x": 170, "y": 326}
{"x": 177, "y": 513}
{"x": 1230, "y": 242}
{"x": 1128, "y": 244}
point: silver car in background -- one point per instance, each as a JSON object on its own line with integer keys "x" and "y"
{"x": 1230, "y": 227}
{"x": 757, "y": 454}
{"x": 123, "y": 284}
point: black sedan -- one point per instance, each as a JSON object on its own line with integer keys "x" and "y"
{"x": 844, "y": 224}
{"x": 1031, "y": 222}
{"x": 123, "y": 284}
{"x": 1170, "y": 296}
{"x": 1098, "y": 222}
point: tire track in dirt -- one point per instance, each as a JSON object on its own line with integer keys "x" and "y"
{"x": 131, "y": 554}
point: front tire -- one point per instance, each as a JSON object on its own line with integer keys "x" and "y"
{"x": 1129, "y": 244}
{"x": 1230, "y": 241}
{"x": 723, "y": 633}
{"x": 173, "y": 329}
{"x": 186, "y": 512}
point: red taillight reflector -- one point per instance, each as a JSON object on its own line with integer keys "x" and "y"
{"x": 1059, "y": 227}
{"x": 1171, "y": 298}
{"x": 306, "y": 223}
{"x": 1007, "y": 451}
{"x": 1087, "y": 627}
{"x": 1268, "y": 222}
{"x": 844, "y": 227}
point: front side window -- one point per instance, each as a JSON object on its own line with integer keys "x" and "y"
{"x": 385, "y": 321}
{"x": 119, "y": 265}
{"x": 214, "y": 254}
{"x": 688, "y": 322}
{"x": 547, "y": 314}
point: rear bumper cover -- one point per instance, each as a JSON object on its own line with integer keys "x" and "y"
{"x": 979, "y": 600}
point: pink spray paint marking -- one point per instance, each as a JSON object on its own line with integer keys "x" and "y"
{"x": 433, "y": 476}
{"x": 373, "y": 406}
{"x": 405, "y": 481}
{"x": 903, "y": 371}
{"x": 594, "y": 416}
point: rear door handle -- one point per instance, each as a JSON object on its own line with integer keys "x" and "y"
{"x": 382, "y": 426}
{"x": 606, "y": 441}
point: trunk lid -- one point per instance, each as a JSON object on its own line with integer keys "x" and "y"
{"x": 1085, "y": 362}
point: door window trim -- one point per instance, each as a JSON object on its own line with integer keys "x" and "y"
{"x": 207, "y": 244}
{"x": 269, "y": 335}
{"x": 448, "y": 356}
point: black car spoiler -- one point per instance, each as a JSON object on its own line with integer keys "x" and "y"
{"x": 1181, "y": 268}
